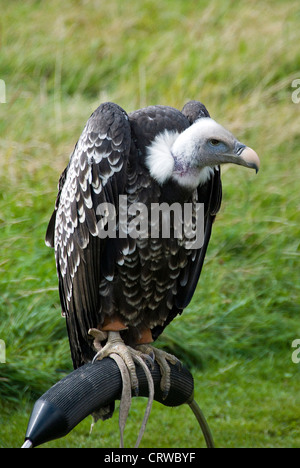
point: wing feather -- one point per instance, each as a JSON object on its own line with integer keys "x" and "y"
{"x": 96, "y": 174}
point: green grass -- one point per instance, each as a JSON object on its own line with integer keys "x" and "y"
{"x": 59, "y": 62}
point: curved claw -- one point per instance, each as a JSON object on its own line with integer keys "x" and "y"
{"x": 162, "y": 358}
{"x": 140, "y": 361}
{"x": 125, "y": 402}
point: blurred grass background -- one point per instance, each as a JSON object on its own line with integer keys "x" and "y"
{"x": 59, "y": 61}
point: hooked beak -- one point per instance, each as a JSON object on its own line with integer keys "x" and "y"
{"x": 248, "y": 157}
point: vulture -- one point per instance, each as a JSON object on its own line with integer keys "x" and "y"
{"x": 116, "y": 284}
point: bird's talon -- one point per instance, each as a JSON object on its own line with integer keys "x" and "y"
{"x": 163, "y": 359}
{"x": 149, "y": 360}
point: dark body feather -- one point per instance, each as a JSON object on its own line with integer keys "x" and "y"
{"x": 146, "y": 281}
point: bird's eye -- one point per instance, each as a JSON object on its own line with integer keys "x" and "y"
{"x": 214, "y": 142}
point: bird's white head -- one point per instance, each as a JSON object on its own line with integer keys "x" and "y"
{"x": 189, "y": 157}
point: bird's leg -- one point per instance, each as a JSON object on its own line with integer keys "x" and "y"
{"x": 115, "y": 345}
{"x": 124, "y": 356}
{"x": 162, "y": 358}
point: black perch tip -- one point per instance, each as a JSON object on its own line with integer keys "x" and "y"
{"x": 91, "y": 387}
